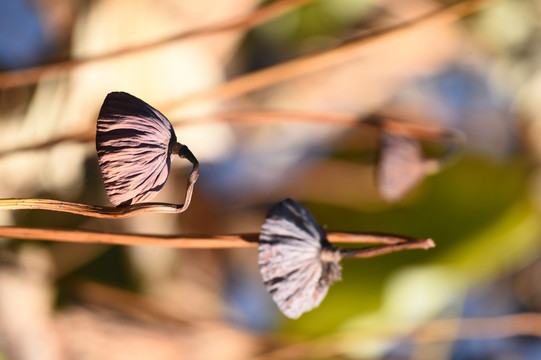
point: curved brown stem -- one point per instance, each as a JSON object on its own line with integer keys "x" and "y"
{"x": 97, "y": 211}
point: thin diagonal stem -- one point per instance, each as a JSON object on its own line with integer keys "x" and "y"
{"x": 324, "y": 59}
{"x": 259, "y": 16}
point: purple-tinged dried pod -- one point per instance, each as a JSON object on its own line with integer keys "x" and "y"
{"x": 135, "y": 144}
{"x": 297, "y": 262}
{"x": 401, "y": 165}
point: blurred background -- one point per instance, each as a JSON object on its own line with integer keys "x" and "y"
{"x": 475, "y": 296}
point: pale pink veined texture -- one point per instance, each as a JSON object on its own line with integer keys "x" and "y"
{"x": 401, "y": 165}
{"x": 296, "y": 261}
{"x": 134, "y": 142}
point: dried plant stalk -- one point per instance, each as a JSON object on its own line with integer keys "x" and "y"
{"x": 89, "y": 237}
{"x": 423, "y": 132}
{"x": 396, "y": 242}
